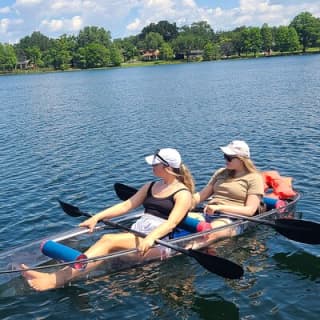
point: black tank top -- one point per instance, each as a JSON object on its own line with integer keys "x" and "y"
{"x": 160, "y": 207}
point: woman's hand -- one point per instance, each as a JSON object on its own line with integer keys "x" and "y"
{"x": 145, "y": 244}
{"x": 211, "y": 209}
{"x": 89, "y": 223}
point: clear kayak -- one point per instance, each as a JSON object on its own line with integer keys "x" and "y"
{"x": 11, "y": 282}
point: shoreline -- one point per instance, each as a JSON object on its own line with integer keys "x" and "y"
{"x": 155, "y": 63}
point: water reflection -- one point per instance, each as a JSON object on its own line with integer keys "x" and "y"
{"x": 155, "y": 291}
{"x": 301, "y": 263}
{"x": 215, "y": 307}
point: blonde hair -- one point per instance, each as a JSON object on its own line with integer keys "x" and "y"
{"x": 249, "y": 165}
{"x": 184, "y": 175}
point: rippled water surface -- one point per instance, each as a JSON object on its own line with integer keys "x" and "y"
{"x": 72, "y": 135}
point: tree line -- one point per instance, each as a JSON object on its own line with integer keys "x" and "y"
{"x": 93, "y": 47}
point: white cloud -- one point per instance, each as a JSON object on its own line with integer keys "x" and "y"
{"x": 27, "y": 2}
{"x": 64, "y": 25}
{"x": 4, "y": 25}
{"x": 135, "y": 25}
{"x": 52, "y": 25}
{"x": 76, "y": 23}
{"x": 254, "y": 13}
{"x": 128, "y": 17}
{"x": 65, "y": 5}
{"x": 5, "y": 10}
{"x": 156, "y": 10}
{"x": 248, "y": 12}
{"x": 251, "y": 6}
{"x": 158, "y": 7}
{"x": 258, "y": 12}
{"x": 157, "y": 3}
{"x": 189, "y": 3}
{"x": 73, "y": 5}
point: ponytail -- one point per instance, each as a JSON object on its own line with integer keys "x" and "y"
{"x": 184, "y": 175}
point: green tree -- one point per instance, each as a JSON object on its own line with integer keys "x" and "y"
{"x": 294, "y": 43}
{"x": 60, "y": 55}
{"x": 184, "y": 43}
{"x": 129, "y": 51}
{"x": 166, "y": 52}
{"x": 79, "y": 58}
{"x": 96, "y": 56}
{"x": 36, "y": 39}
{"x": 153, "y": 41}
{"x": 229, "y": 42}
{"x": 69, "y": 43}
{"x": 236, "y": 38}
{"x": 266, "y": 38}
{"x": 57, "y": 58}
{"x": 168, "y": 31}
{"x": 203, "y": 31}
{"x": 193, "y": 37}
{"x": 252, "y": 40}
{"x": 116, "y": 57}
{"x": 35, "y": 55}
{"x": 227, "y": 47}
{"x": 199, "y": 33}
{"x": 308, "y": 29}
{"x": 281, "y": 39}
{"x": 256, "y": 39}
{"x": 63, "y": 59}
{"x": 94, "y": 34}
{"x": 8, "y": 59}
{"x": 33, "y": 47}
{"x": 211, "y": 51}
{"x": 286, "y": 39}
{"x": 128, "y": 47}
{"x": 246, "y": 41}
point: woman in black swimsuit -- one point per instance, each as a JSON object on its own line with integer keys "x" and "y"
{"x": 166, "y": 203}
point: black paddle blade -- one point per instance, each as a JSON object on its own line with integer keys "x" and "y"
{"x": 70, "y": 209}
{"x": 220, "y": 266}
{"x": 299, "y": 230}
{"x": 123, "y": 191}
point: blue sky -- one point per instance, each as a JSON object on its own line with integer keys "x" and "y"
{"x": 19, "y": 18}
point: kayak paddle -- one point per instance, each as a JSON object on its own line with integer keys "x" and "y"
{"x": 220, "y": 266}
{"x": 293, "y": 229}
{"x": 123, "y": 191}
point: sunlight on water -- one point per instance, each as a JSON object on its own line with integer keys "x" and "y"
{"x": 72, "y": 135}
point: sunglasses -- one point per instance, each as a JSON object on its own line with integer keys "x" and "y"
{"x": 229, "y": 158}
{"x": 156, "y": 155}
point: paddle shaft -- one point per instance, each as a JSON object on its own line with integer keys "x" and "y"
{"x": 255, "y": 220}
{"x": 140, "y": 234}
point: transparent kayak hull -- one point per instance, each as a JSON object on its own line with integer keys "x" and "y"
{"x": 11, "y": 283}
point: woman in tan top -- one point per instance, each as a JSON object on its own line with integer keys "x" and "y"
{"x": 238, "y": 188}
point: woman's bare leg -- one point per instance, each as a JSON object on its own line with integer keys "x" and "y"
{"x": 228, "y": 232}
{"x": 41, "y": 281}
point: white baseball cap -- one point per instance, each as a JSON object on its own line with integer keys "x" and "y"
{"x": 237, "y": 148}
{"x": 167, "y": 156}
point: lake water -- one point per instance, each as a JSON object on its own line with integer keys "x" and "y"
{"x": 72, "y": 135}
